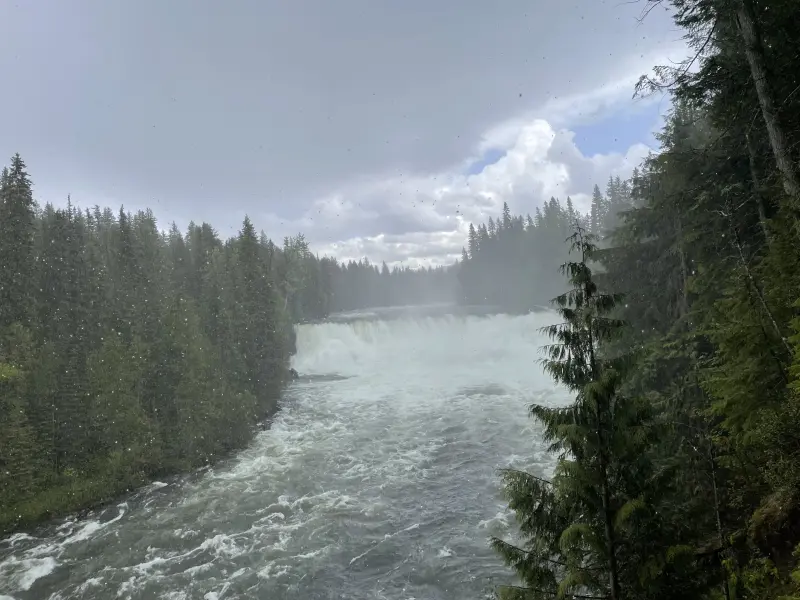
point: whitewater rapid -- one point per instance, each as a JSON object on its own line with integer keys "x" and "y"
{"x": 376, "y": 480}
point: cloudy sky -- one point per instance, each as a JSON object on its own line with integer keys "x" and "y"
{"x": 375, "y": 127}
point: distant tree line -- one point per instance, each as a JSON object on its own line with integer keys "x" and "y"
{"x": 511, "y": 261}
{"x": 335, "y": 286}
{"x": 127, "y": 353}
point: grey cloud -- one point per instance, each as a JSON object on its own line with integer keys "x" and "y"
{"x": 261, "y": 106}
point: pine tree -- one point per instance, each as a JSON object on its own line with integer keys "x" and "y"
{"x": 127, "y": 354}
{"x": 597, "y": 211}
{"x": 16, "y": 244}
{"x": 572, "y": 214}
{"x": 506, "y": 217}
{"x": 258, "y": 321}
{"x": 472, "y": 241}
{"x": 580, "y": 529}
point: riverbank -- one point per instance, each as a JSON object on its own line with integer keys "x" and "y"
{"x": 76, "y": 494}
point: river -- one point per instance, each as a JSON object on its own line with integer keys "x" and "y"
{"x": 376, "y": 480}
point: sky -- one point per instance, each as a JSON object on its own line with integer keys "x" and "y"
{"x": 377, "y": 128}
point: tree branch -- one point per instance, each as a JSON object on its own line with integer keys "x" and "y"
{"x": 521, "y": 472}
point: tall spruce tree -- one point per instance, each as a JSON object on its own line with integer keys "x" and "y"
{"x": 17, "y": 230}
{"x": 581, "y": 531}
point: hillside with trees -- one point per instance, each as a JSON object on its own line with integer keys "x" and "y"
{"x": 679, "y": 468}
{"x": 127, "y": 353}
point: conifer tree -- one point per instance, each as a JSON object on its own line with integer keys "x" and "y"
{"x": 472, "y": 241}
{"x": 580, "y": 529}
{"x": 16, "y": 244}
{"x": 506, "y": 223}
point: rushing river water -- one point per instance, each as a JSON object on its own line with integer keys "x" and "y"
{"x": 378, "y": 479}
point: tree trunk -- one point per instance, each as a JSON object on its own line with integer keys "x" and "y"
{"x": 756, "y": 287}
{"x": 608, "y": 516}
{"x": 754, "y": 51}
{"x": 720, "y": 537}
{"x": 683, "y": 308}
{"x": 758, "y": 191}
{"x": 611, "y": 541}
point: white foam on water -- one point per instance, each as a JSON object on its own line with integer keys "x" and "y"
{"x": 23, "y": 573}
{"x": 39, "y": 558}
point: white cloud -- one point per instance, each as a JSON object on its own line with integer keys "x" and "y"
{"x": 440, "y": 248}
{"x": 322, "y": 93}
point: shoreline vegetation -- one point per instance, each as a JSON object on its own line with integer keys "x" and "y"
{"x": 127, "y": 353}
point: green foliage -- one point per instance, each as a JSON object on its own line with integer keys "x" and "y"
{"x": 127, "y": 353}
{"x": 8, "y": 372}
{"x": 707, "y": 257}
{"x": 16, "y": 243}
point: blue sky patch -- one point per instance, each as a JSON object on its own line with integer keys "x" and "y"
{"x": 619, "y": 131}
{"x": 491, "y": 156}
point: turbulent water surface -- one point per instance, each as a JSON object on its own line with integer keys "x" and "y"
{"x": 378, "y": 479}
